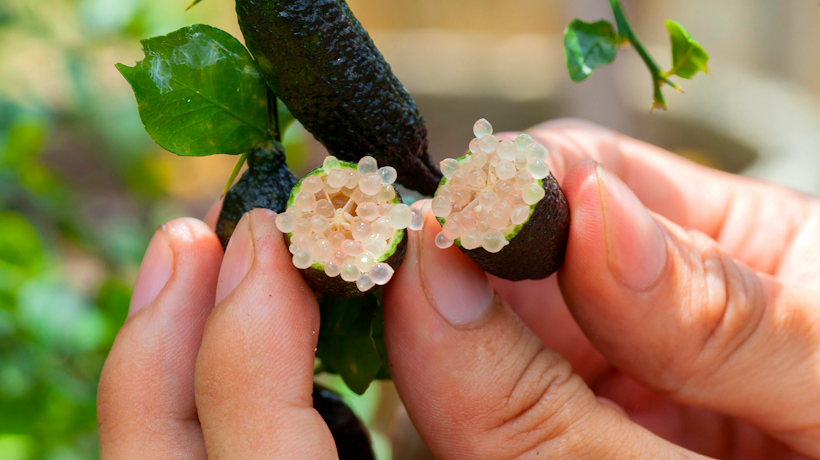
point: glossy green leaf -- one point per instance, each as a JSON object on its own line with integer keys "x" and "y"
{"x": 200, "y": 93}
{"x": 588, "y": 46}
{"x": 688, "y": 57}
{"x": 345, "y": 342}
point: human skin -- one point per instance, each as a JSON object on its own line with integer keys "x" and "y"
{"x": 684, "y": 322}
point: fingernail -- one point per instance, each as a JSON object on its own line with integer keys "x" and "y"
{"x": 155, "y": 271}
{"x": 457, "y": 288}
{"x": 635, "y": 243}
{"x": 238, "y": 259}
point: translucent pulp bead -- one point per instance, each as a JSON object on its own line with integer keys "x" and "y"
{"x": 532, "y": 193}
{"x": 353, "y": 177}
{"x": 302, "y": 259}
{"x": 322, "y": 250}
{"x": 336, "y": 239}
{"x": 293, "y": 248}
{"x": 442, "y": 241}
{"x": 466, "y": 219}
{"x": 387, "y": 193}
{"x": 441, "y": 207}
{"x": 285, "y": 222}
{"x": 303, "y": 241}
{"x": 400, "y": 216}
{"x": 350, "y": 272}
{"x": 471, "y": 239}
{"x": 452, "y": 229}
{"x": 538, "y": 168}
{"x": 318, "y": 224}
{"x": 332, "y": 269}
{"x": 312, "y": 184}
{"x": 330, "y": 190}
{"x": 380, "y": 273}
{"x": 521, "y": 160}
{"x": 337, "y": 178}
{"x": 523, "y": 140}
{"x": 536, "y": 151}
{"x": 338, "y": 201}
{"x": 352, "y": 248}
{"x": 385, "y": 208}
{"x": 324, "y": 209}
{"x": 487, "y": 199}
{"x": 522, "y": 178}
{"x": 367, "y": 165}
{"x": 364, "y": 283}
{"x": 462, "y": 197}
{"x": 361, "y": 230}
{"x": 477, "y": 178}
{"x": 520, "y": 215}
{"x": 302, "y": 227}
{"x": 367, "y": 211}
{"x": 474, "y": 146}
{"x": 479, "y": 159}
{"x": 306, "y": 201}
{"x": 482, "y": 128}
{"x": 507, "y": 150}
{"x": 381, "y": 229}
{"x": 504, "y": 188}
{"x": 417, "y": 221}
{"x": 493, "y": 241}
{"x": 488, "y": 143}
{"x": 294, "y": 211}
{"x": 505, "y": 170}
{"x": 388, "y": 175}
{"x": 370, "y": 184}
{"x": 498, "y": 220}
{"x": 330, "y": 163}
{"x": 445, "y": 191}
{"x": 339, "y": 256}
{"x": 448, "y": 167}
{"x": 364, "y": 261}
{"x": 466, "y": 165}
{"x": 458, "y": 179}
{"x": 377, "y": 246}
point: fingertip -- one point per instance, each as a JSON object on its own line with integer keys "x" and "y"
{"x": 212, "y": 216}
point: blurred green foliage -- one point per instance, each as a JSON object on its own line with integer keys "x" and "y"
{"x": 82, "y": 187}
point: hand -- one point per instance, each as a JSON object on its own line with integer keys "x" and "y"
{"x": 695, "y": 326}
{"x": 700, "y": 317}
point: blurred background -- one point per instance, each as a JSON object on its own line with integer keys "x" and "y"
{"x": 82, "y": 186}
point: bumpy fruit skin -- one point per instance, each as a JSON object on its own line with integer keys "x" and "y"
{"x": 537, "y": 250}
{"x": 266, "y": 184}
{"x": 348, "y": 432}
{"x": 322, "y": 64}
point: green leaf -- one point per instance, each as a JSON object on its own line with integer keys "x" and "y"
{"x": 345, "y": 343}
{"x": 200, "y": 93}
{"x": 588, "y": 46}
{"x": 688, "y": 57}
{"x": 377, "y": 333}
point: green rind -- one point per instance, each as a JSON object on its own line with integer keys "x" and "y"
{"x": 322, "y": 64}
{"x": 537, "y": 246}
{"x": 266, "y": 184}
{"x": 315, "y": 274}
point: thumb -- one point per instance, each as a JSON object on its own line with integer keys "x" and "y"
{"x": 477, "y": 383}
{"x": 668, "y": 307}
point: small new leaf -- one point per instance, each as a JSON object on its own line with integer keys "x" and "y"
{"x": 200, "y": 93}
{"x": 193, "y": 4}
{"x": 588, "y": 46}
{"x": 346, "y": 345}
{"x": 688, "y": 57}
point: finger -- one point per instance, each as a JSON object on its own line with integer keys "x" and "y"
{"x": 145, "y": 402}
{"x": 759, "y": 224}
{"x": 254, "y": 376}
{"x": 213, "y": 213}
{"x": 478, "y": 384}
{"x": 671, "y": 309}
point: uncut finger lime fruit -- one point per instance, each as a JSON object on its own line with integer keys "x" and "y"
{"x": 502, "y": 207}
{"x": 346, "y": 226}
{"x": 321, "y": 62}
